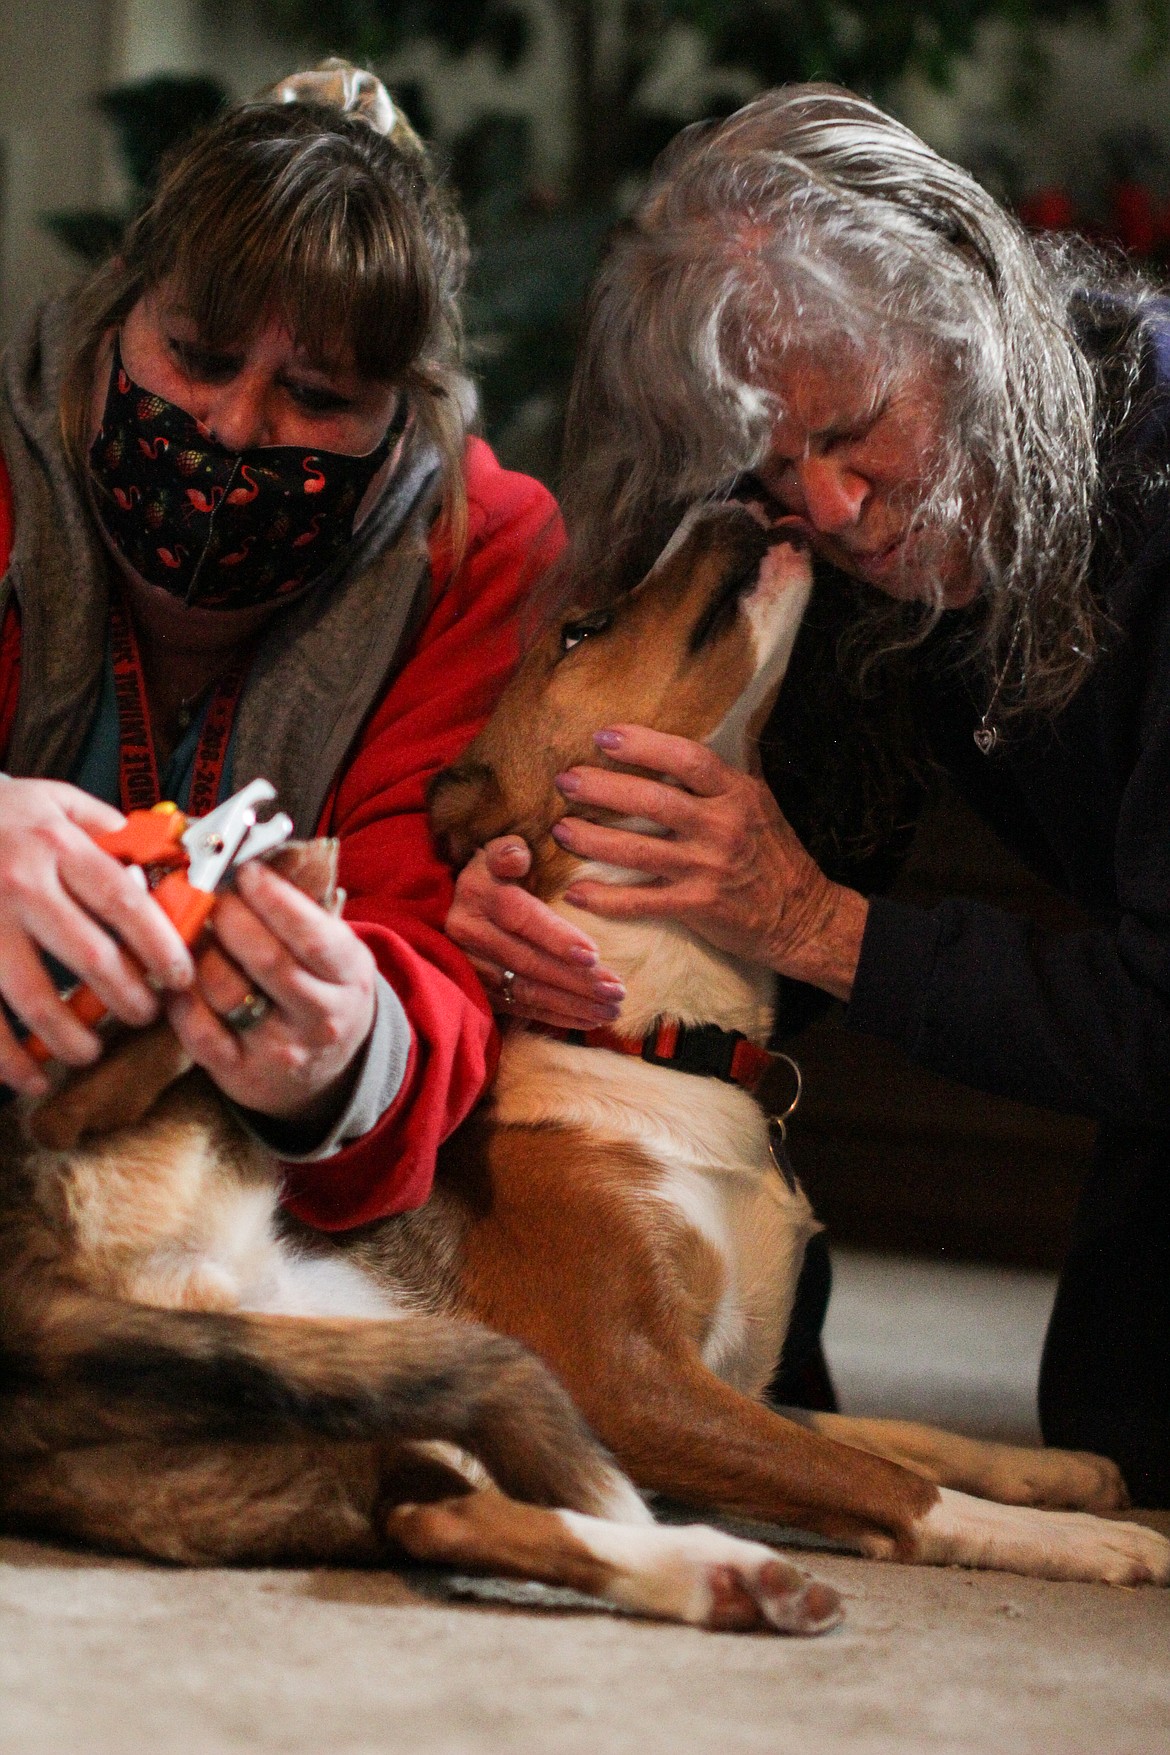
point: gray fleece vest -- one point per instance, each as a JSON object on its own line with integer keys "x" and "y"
{"x": 320, "y": 668}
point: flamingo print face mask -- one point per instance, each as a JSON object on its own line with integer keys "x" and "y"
{"x": 221, "y": 529}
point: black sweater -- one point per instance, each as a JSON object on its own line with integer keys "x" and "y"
{"x": 1075, "y": 1020}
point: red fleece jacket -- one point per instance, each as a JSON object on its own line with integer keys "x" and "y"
{"x": 399, "y": 890}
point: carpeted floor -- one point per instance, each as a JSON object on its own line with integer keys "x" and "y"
{"x": 113, "y": 1659}
{"x": 104, "y": 1657}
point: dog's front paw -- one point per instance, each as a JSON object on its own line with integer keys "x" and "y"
{"x": 962, "y": 1531}
{"x": 1057, "y": 1480}
{"x": 1076, "y": 1480}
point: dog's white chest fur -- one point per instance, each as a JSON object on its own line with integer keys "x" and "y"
{"x": 708, "y": 1140}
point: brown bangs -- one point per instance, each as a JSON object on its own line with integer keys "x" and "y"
{"x": 311, "y": 234}
{"x": 303, "y": 212}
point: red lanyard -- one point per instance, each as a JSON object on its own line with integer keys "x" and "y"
{"x": 138, "y": 777}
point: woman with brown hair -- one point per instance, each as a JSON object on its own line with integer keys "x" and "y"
{"x": 244, "y": 531}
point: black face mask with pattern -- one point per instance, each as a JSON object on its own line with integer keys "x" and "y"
{"x": 217, "y": 528}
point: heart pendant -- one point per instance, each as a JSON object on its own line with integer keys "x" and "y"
{"x": 986, "y": 738}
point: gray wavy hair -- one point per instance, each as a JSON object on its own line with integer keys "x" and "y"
{"x": 812, "y": 221}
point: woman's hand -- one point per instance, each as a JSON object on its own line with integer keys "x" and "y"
{"x": 557, "y": 977}
{"x": 318, "y": 977}
{"x": 61, "y": 894}
{"x": 729, "y": 866}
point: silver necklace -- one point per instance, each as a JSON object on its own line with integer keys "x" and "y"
{"x": 986, "y": 734}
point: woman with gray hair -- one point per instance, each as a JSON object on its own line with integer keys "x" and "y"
{"x": 974, "y": 431}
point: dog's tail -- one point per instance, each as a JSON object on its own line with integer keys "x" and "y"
{"x": 86, "y": 1370}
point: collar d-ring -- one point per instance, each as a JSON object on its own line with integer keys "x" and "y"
{"x": 778, "y": 1126}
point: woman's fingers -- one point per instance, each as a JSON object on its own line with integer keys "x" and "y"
{"x": 630, "y": 795}
{"x": 93, "y": 815}
{"x": 55, "y": 923}
{"x": 319, "y": 942}
{"x": 498, "y": 950}
{"x": 109, "y": 892}
{"x": 274, "y": 942}
{"x": 502, "y": 927}
{"x": 547, "y": 1010}
{"x": 653, "y": 854}
{"x": 594, "y": 994}
{"x": 220, "y": 980}
{"x": 30, "y": 994}
{"x": 696, "y": 767}
{"x": 219, "y": 1050}
{"x": 292, "y": 951}
{"x": 61, "y": 895}
{"x": 691, "y": 812}
{"x": 533, "y": 998}
{"x": 487, "y": 894}
{"x": 508, "y": 858}
{"x": 636, "y": 901}
{"x": 547, "y": 986}
{"x": 74, "y": 899}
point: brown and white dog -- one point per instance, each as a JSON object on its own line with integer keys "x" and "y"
{"x": 188, "y": 1376}
{"x": 629, "y": 1223}
{"x": 179, "y": 1378}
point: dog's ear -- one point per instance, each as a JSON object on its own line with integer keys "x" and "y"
{"x": 467, "y": 809}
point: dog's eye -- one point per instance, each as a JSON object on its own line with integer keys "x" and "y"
{"x": 573, "y": 633}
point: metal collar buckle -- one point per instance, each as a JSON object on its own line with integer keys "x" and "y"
{"x": 778, "y": 1125}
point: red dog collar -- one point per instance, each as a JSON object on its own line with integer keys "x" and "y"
{"x": 691, "y": 1048}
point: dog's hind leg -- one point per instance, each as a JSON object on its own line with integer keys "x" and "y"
{"x": 319, "y": 1503}
{"x": 82, "y": 1370}
{"x": 694, "y": 1574}
{"x": 311, "y": 1502}
{"x": 205, "y": 1504}
{"x": 89, "y": 1372}
{"x": 1012, "y": 1474}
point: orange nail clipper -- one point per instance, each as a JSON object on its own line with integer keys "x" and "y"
{"x": 183, "y": 862}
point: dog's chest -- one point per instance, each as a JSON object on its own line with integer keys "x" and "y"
{"x": 712, "y": 1176}
{"x": 759, "y": 1228}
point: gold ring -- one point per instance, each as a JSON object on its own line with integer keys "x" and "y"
{"x": 252, "y": 1009}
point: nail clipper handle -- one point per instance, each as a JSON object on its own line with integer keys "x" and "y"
{"x": 86, "y": 1007}
{"x": 187, "y": 909}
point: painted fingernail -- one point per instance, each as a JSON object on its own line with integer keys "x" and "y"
{"x": 562, "y": 834}
{"x": 584, "y": 956}
{"x": 606, "y": 1014}
{"x": 568, "y": 783}
{"x": 613, "y": 991}
{"x": 608, "y": 740}
{"x": 573, "y": 898}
